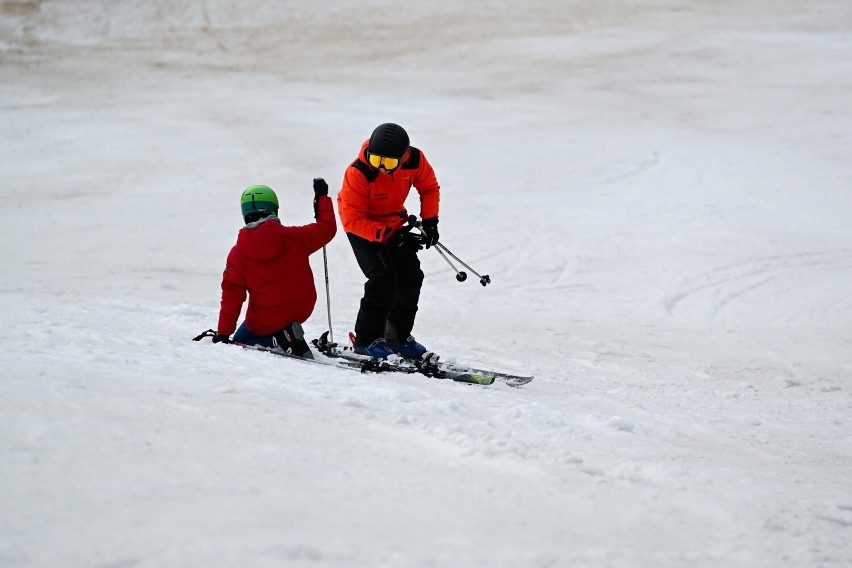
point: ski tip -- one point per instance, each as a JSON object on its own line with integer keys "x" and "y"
{"x": 518, "y": 381}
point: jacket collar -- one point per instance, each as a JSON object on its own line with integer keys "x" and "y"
{"x": 260, "y": 222}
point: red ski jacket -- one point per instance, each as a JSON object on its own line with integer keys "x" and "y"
{"x": 270, "y": 263}
{"x": 370, "y": 202}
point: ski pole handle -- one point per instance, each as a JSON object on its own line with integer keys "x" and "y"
{"x": 208, "y": 333}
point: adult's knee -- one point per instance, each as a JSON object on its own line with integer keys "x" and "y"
{"x": 382, "y": 282}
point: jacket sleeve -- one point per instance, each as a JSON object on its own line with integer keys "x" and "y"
{"x": 233, "y": 296}
{"x": 352, "y": 203}
{"x": 313, "y": 237}
{"x": 427, "y": 186}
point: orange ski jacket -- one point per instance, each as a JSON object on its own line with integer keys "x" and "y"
{"x": 371, "y": 204}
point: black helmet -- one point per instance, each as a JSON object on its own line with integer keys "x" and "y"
{"x": 388, "y": 140}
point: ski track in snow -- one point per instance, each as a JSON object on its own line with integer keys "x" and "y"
{"x": 727, "y": 284}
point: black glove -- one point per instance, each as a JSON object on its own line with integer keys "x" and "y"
{"x": 320, "y": 190}
{"x": 405, "y": 238}
{"x": 412, "y": 242}
{"x": 430, "y": 231}
{"x": 219, "y": 338}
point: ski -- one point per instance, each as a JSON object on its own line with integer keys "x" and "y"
{"x": 430, "y": 363}
{"x": 369, "y": 364}
{"x": 341, "y": 363}
{"x": 400, "y": 364}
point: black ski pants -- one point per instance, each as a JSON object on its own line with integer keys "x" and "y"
{"x": 391, "y": 292}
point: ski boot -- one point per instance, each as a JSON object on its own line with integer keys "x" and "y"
{"x": 409, "y": 348}
{"x": 292, "y": 338}
{"x": 378, "y": 349}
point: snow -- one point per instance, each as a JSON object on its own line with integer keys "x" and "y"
{"x": 658, "y": 190}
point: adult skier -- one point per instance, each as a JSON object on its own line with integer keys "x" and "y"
{"x": 371, "y": 203}
{"x": 270, "y": 264}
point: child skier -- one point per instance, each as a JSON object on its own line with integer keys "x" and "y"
{"x": 270, "y": 264}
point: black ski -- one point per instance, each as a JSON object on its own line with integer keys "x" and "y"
{"x": 369, "y": 365}
{"x": 430, "y": 364}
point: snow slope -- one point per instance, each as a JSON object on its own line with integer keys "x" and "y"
{"x": 659, "y": 191}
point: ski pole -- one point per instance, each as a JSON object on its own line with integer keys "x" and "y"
{"x": 483, "y": 279}
{"x": 318, "y": 186}
{"x": 327, "y": 293}
{"x": 461, "y": 276}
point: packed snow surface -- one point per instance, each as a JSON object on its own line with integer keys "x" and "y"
{"x": 660, "y": 191}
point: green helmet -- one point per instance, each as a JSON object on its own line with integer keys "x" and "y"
{"x": 257, "y": 202}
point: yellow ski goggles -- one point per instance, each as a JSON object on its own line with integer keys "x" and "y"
{"x": 383, "y": 161}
